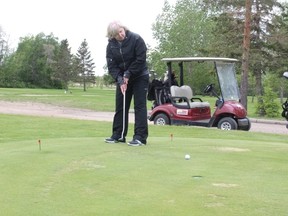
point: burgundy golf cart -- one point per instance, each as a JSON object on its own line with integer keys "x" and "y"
{"x": 176, "y": 105}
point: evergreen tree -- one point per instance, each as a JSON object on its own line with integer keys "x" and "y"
{"x": 86, "y": 64}
{"x": 262, "y": 14}
{"x": 63, "y": 66}
{"x": 278, "y": 46}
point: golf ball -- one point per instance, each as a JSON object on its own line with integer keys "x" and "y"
{"x": 187, "y": 157}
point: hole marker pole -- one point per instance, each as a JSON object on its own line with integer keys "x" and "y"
{"x": 39, "y": 143}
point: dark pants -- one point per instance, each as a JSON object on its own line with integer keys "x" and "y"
{"x": 137, "y": 89}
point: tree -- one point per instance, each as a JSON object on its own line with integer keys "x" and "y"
{"x": 63, "y": 65}
{"x": 245, "y": 56}
{"x": 9, "y": 74}
{"x": 32, "y": 59}
{"x": 278, "y": 44}
{"x": 4, "y": 48}
{"x": 6, "y": 75}
{"x": 160, "y": 31}
{"x": 86, "y": 64}
{"x": 259, "y": 19}
{"x": 181, "y": 30}
{"x": 108, "y": 80}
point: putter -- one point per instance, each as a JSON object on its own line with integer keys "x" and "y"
{"x": 124, "y": 111}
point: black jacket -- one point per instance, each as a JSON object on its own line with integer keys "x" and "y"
{"x": 127, "y": 57}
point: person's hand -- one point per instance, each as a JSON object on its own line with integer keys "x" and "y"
{"x": 126, "y": 80}
{"x": 123, "y": 88}
{"x": 124, "y": 85}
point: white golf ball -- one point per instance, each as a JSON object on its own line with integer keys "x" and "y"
{"x": 187, "y": 157}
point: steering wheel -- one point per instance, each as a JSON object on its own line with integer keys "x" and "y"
{"x": 208, "y": 88}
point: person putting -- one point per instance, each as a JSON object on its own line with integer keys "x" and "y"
{"x": 126, "y": 62}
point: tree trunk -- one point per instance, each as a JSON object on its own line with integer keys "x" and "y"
{"x": 258, "y": 82}
{"x": 245, "y": 56}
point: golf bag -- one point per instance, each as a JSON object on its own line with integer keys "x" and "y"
{"x": 158, "y": 92}
{"x": 285, "y": 104}
{"x": 155, "y": 84}
{"x": 285, "y": 110}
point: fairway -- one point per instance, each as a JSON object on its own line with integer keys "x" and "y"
{"x": 76, "y": 173}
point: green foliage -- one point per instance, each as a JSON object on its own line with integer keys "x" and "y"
{"x": 42, "y": 62}
{"x": 108, "y": 80}
{"x": 85, "y": 64}
{"x": 198, "y": 75}
{"x": 229, "y": 31}
{"x": 8, "y": 76}
{"x": 63, "y": 65}
{"x": 260, "y": 106}
{"x": 267, "y": 105}
{"x": 30, "y": 65}
{"x": 181, "y": 30}
{"x": 4, "y": 48}
{"x": 278, "y": 42}
{"x": 33, "y": 56}
{"x": 215, "y": 28}
{"x": 271, "y": 107}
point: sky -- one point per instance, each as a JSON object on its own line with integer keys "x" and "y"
{"x": 77, "y": 20}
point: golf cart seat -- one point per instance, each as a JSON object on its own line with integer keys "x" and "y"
{"x": 182, "y": 97}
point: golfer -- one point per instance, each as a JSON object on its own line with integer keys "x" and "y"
{"x": 126, "y": 61}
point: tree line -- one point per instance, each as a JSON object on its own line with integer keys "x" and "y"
{"x": 42, "y": 61}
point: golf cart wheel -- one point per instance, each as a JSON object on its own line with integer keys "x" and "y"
{"x": 227, "y": 123}
{"x": 161, "y": 119}
{"x": 247, "y": 128}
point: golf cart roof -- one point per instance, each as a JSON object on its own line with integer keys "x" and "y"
{"x": 189, "y": 59}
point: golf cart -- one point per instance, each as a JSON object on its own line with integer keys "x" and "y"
{"x": 285, "y": 104}
{"x": 176, "y": 105}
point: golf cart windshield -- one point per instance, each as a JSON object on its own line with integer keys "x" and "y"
{"x": 228, "y": 81}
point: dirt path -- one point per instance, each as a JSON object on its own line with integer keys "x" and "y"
{"x": 39, "y": 109}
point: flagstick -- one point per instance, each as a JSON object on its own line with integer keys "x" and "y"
{"x": 39, "y": 142}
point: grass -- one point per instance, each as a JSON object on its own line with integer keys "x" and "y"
{"x": 94, "y": 98}
{"x": 76, "y": 173}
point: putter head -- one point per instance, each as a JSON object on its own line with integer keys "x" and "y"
{"x": 285, "y": 74}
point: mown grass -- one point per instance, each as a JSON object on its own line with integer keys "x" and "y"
{"x": 94, "y": 98}
{"x": 76, "y": 173}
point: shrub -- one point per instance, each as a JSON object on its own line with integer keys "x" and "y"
{"x": 267, "y": 105}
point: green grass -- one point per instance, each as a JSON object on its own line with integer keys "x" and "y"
{"x": 94, "y": 98}
{"x": 76, "y": 173}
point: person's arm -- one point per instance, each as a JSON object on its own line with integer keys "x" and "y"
{"x": 112, "y": 65}
{"x": 114, "y": 71}
{"x": 140, "y": 58}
